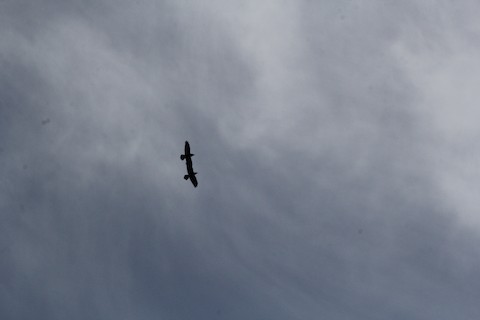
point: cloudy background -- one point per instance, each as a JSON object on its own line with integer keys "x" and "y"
{"x": 337, "y": 145}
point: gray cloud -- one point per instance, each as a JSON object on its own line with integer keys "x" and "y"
{"x": 320, "y": 189}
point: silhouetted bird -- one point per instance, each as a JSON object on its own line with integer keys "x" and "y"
{"x": 188, "y": 157}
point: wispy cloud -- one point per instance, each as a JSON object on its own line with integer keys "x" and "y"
{"x": 335, "y": 145}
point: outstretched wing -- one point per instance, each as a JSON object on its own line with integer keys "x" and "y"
{"x": 194, "y": 180}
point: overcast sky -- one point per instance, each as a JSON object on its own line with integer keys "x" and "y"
{"x": 336, "y": 144}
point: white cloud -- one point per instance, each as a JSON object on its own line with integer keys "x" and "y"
{"x": 445, "y": 69}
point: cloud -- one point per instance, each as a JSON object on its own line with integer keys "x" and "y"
{"x": 444, "y": 68}
{"x": 321, "y": 185}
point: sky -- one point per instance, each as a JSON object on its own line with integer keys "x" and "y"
{"x": 336, "y": 145}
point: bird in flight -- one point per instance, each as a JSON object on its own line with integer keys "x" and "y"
{"x": 188, "y": 157}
